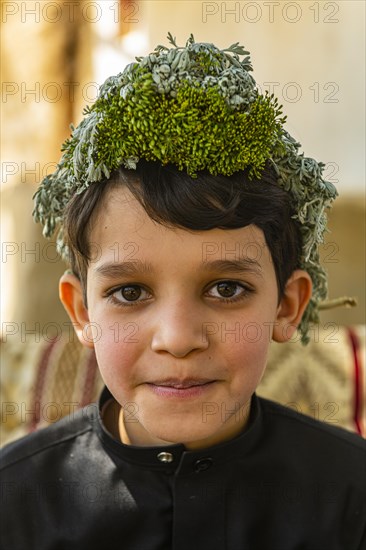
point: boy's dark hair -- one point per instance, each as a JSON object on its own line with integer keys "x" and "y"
{"x": 174, "y": 199}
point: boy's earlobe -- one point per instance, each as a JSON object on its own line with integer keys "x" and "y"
{"x": 296, "y": 297}
{"x": 71, "y": 296}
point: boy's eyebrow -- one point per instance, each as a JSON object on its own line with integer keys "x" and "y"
{"x": 138, "y": 267}
{"x": 115, "y": 270}
{"x": 237, "y": 266}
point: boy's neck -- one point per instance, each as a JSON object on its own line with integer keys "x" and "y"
{"x": 112, "y": 417}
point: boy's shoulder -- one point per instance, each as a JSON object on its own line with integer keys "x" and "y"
{"x": 49, "y": 438}
{"x": 286, "y": 424}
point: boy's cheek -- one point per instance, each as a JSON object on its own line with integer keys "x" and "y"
{"x": 116, "y": 352}
{"x": 106, "y": 331}
{"x": 252, "y": 332}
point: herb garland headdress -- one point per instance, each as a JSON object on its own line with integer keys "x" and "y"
{"x": 196, "y": 107}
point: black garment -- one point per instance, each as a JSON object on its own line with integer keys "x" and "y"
{"x": 287, "y": 483}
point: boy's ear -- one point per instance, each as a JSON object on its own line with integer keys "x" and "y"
{"x": 296, "y": 297}
{"x": 71, "y": 296}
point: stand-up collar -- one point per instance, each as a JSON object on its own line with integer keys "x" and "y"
{"x": 176, "y": 458}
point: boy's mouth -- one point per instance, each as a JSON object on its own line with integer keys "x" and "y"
{"x": 182, "y": 384}
{"x": 173, "y": 388}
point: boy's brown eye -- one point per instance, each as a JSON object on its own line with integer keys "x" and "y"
{"x": 131, "y": 293}
{"x": 227, "y": 289}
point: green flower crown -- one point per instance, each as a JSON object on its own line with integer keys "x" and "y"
{"x": 198, "y": 108}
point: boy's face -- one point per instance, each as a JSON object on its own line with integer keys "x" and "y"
{"x": 181, "y": 337}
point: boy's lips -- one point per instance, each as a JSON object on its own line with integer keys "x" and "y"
{"x": 181, "y": 388}
{"x": 181, "y": 384}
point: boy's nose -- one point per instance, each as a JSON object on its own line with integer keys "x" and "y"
{"x": 179, "y": 331}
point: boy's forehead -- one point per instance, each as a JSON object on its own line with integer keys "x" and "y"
{"x": 123, "y": 230}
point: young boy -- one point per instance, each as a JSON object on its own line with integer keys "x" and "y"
{"x": 186, "y": 211}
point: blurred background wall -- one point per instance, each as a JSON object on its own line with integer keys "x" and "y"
{"x": 56, "y": 53}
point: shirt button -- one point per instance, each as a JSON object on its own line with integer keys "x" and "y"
{"x": 203, "y": 464}
{"x": 165, "y": 457}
